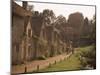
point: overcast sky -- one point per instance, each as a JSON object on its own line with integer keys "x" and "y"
{"x": 64, "y": 9}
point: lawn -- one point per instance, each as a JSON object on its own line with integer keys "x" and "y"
{"x": 72, "y": 63}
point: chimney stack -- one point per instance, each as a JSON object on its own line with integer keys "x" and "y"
{"x": 25, "y": 4}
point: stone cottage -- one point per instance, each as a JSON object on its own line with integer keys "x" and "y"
{"x": 21, "y": 33}
{"x": 32, "y": 36}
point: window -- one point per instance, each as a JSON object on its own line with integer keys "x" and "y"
{"x": 29, "y": 32}
{"x": 29, "y": 52}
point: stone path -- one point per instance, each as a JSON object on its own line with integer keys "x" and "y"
{"x": 38, "y": 64}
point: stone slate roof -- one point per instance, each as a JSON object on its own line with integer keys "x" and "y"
{"x": 17, "y": 9}
{"x": 19, "y": 24}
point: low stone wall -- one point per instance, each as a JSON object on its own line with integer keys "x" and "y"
{"x": 38, "y": 64}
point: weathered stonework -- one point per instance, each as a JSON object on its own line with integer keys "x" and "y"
{"x": 33, "y": 37}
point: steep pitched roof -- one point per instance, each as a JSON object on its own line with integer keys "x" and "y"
{"x": 17, "y": 9}
{"x": 20, "y": 24}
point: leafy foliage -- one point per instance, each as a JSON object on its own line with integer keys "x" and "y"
{"x": 88, "y": 57}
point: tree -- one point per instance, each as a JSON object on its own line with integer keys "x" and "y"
{"x": 85, "y": 28}
{"x": 61, "y": 19}
{"x": 48, "y": 16}
{"x": 60, "y": 22}
{"x": 36, "y": 13}
{"x": 76, "y": 21}
{"x": 93, "y": 33}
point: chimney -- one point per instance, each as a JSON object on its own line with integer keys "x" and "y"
{"x": 25, "y": 4}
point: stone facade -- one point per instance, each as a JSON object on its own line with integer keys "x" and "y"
{"x": 21, "y": 34}
{"x": 32, "y": 37}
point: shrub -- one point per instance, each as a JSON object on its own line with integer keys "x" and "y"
{"x": 41, "y": 57}
{"x": 88, "y": 57}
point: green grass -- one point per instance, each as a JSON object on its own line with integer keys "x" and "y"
{"x": 72, "y": 63}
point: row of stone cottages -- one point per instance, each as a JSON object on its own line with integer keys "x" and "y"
{"x": 31, "y": 40}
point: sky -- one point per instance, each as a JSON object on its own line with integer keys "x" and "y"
{"x": 64, "y": 9}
